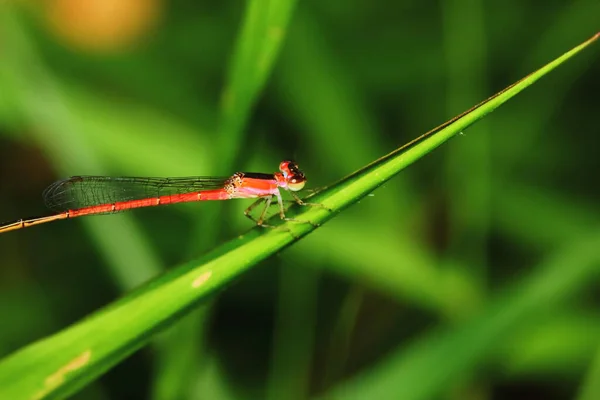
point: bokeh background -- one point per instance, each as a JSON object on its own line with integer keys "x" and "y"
{"x": 496, "y": 231}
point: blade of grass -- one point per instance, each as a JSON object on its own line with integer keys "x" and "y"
{"x": 336, "y": 113}
{"x": 294, "y": 334}
{"x": 181, "y": 355}
{"x": 332, "y": 109}
{"x": 263, "y": 30}
{"x": 424, "y": 369}
{"x": 539, "y": 218}
{"x": 590, "y": 388}
{"x": 577, "y": 16}
{"x": 363, "y": 182}
{"x": 340, "y": 337}
{"x": 469, "y": 194}
{"x": 557, "y": 341}
{"x": 57, "y": 130}
{"x": 66, "y": 126}
{"x": 257, "y": 46}
{"x": 63, "y": 363}
{"x": 405, "y": 271}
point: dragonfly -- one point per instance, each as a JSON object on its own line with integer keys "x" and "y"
{"x": 79, "y": 196}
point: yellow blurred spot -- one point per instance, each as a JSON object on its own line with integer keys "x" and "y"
{"x": 199, "y": 281}
{"x": 58, "y": 378}
{"x": 102, "y": 25}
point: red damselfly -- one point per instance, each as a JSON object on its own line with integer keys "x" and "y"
{"x": 92, "y": 195}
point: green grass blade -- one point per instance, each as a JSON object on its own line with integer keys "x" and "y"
{"x": 425, "y": 368}
{"x": 551, "y": 342}
{"x": 263, "y": 30}
{"x": 467, "y": 232}
{"x": 591, "y": 386}
{"x": 363, "y": 182}
{"x": 56, "y": 128}
{"x": 61, "y": 364}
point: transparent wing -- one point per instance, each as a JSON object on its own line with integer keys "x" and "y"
{"x": 85, "y": 191}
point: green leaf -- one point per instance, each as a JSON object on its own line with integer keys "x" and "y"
{"x": 263, "y": 30}
{"x": 61, "y": 364}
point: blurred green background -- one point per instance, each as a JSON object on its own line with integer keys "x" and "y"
{"x": 501, "y": 225}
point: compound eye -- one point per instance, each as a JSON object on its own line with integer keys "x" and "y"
{"x": 284, "y": 167}
{"x": 295, "y": 184}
